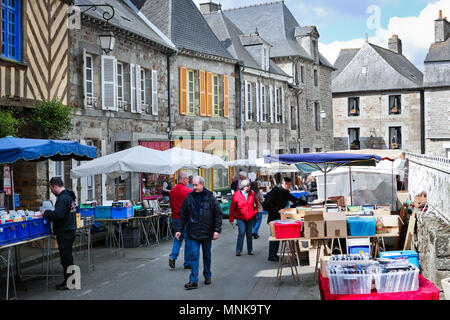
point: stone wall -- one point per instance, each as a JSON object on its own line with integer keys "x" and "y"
{"x": 374, "y": 120}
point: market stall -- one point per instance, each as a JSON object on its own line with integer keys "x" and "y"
{"x": 23, "y": 226}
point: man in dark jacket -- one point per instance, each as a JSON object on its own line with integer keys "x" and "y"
{"x": 64, "y": 224}
{"x": 202, "y": 216}
{"x": 276, "y": 200}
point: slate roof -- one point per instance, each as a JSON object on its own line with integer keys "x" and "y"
{"x": 234, "y": 40}
{"x": 439, "y": 52}
{"x": 183, "y": 23}
{"x": 387, "y": 70}
{"x": 126, "y": 19}
{"x": 276, "y": 24}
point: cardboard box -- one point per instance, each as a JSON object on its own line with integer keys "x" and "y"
{"x": 314, "y": 224}
{"x": 323, "y": 265}
{"x": 381, "y": 212}
{"x": 291, "y": 210}
{"x": 292, "y": 216}
{"x": 41, "y": 244}
{"x": 391, "y": 224}
{"x": 339, "y": 200}
{"x": 272, "y": 228}
{"x": 336, "y": 225}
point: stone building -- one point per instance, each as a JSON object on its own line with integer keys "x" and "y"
{"x": 120, "y": 98}
{"x": 33, "y": 68}
{"x": 261, "y": 112}
{"x": 377, "y": 99}
{"x": 203, "y": 78}
{"x": 294, "y": 49}
{"x": 437, "y": 91}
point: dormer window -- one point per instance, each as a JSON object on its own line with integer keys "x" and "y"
{"x": 265, "y": 58}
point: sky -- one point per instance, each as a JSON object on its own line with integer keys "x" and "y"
{"x": 346, "y": 23}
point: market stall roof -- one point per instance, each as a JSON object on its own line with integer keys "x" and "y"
{"x": 263, "y": 167}
{"x": 178, "y": 158}
{"x": 13, "y": 150}
{"x": 385, "y": 154}
{"x": 136, "y": 159}
{"x": 325, "y": 162}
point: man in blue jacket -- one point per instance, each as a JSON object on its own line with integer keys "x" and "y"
{"x": 202, "y": 216}
{"x": 64, "y": 224}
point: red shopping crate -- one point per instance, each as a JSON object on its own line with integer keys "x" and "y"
{"x": 287, "y": 229}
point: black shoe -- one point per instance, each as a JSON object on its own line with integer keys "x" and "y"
{"x": 171, "y": 263}
{"x": 187, "y": 267}
{"x": 250, "y": 253}
{"x": 255, "y": 236}
{"x": 208, "y": 281}
{"x": 274, "y": 259}
{"x": 190, "y": 286}
{"x": 238, "y": 254}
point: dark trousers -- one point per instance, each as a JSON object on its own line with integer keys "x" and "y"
{"x": 273, "y": 249}
{"x": 65, "y": 242}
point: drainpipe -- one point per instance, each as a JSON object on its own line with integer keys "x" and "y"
{"x": 298, "y": 120}
{"x": 169, "y": 96}
{"x": 241, "y": 119}
{"x": 422, "y": 121}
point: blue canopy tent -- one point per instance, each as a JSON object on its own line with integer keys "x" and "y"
{"x": 14, "y": 150}
{"x": 324, "y": 162}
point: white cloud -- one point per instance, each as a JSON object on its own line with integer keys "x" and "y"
{"x": 416, "y": 33}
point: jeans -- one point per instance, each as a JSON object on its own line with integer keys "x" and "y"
{"x": 257, "y": 223}
{"x": 273, "y": 249}
{"x": 65, "y": 242}
{"x": 245, "y": 228}
{"x": 195, "y": 251}
{"x": 177, "y": 243}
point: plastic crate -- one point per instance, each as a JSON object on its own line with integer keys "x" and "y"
{"x": 287, "y": 229}
{"x": 102, "y": 212}
{"x": 87, "y": 212}
{"x": 45, "y": 227}
{"x": 411, "y": 255}
{"x": 18, "y": 231}
{"x": 361, "y": 226}
{"x": 35, "y": 228}
{"x": 399, "y": 281}
{"x": 121, "y": 212}
{"x": 350, "y": 283}
{"x": 4, "y": 234}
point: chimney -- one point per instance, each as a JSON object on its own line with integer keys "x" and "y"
{"x": 210, "y": 7}
{"x": 395, "y": 44}
{"x": 441, "y": 29}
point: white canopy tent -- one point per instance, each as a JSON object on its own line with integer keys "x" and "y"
{"x": 264, "y": 168}
{"x": 178, "y": 158}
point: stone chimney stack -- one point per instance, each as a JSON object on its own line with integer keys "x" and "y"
{"x": 395, "y": 44}
{"x": 210, "y": 7}
{"x": 441, "y": 29}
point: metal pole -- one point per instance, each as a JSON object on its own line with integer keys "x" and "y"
{"x": 351, "y": 189}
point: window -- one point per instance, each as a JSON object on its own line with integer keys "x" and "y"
{"x": 306, "y": 150}
{"x": 302, "y": 73}
{"x": 353, "y": 107}
{"x": 216, "y": 92}
{"x": 447, "y": 152}
{"x": 91, "y": 179}
{"x": 59, "y": 169}
{"x": 264, "y": 103}
{"x": 191, "y": 92}
{"x": 316, "y": 78}
{"x": 142, "y": 88}
{"x": 395, "y": 104}
{"x": 293, "y": 118}
{"x": 120, "y": 87}
{"x": 89, "y": 80}
{"x": 317, "y": 116}
{"x": 154, "y": 92}
{"x": 249, "y": 101}
{"x": 278, "y": 105}
{"x": 221, "y": 176}
{"x": 10, "y": 29}
{"x": 353, "y": 136}
{"x": 363, "y": 71}
{"x": 296, "y": 73}
{"x": 265, "y": 59}
{"x": 318, "y": 149}
{"x": 395, "y": 137}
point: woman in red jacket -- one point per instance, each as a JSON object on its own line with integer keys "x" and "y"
{"x": 244, "y": 206}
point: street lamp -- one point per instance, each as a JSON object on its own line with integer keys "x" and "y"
{"x": 107, "y": 41}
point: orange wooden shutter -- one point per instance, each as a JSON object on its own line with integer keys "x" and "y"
{"x": 209, "y": 92}
{"x": 202, "y": 85}
{"x": 225, "y": 96}
{"x": 183, "y": 92}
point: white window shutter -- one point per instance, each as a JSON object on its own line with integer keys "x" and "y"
{"x": 246, "y": 100}
{"x": 133, "y": 87}
{"x": 271, "y": 104}
{"x": 84, "y": 78}
{"x": 138, "y": 89}
{"x": 154, "y": 92}
{"x": 257, "y": 101}
{"x": 109, "y": 100}
{"x": 261, "y": 100}
{"x": 283, "y": 106}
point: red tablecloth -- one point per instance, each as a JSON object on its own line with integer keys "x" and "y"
{"x": 427, "y": 291}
